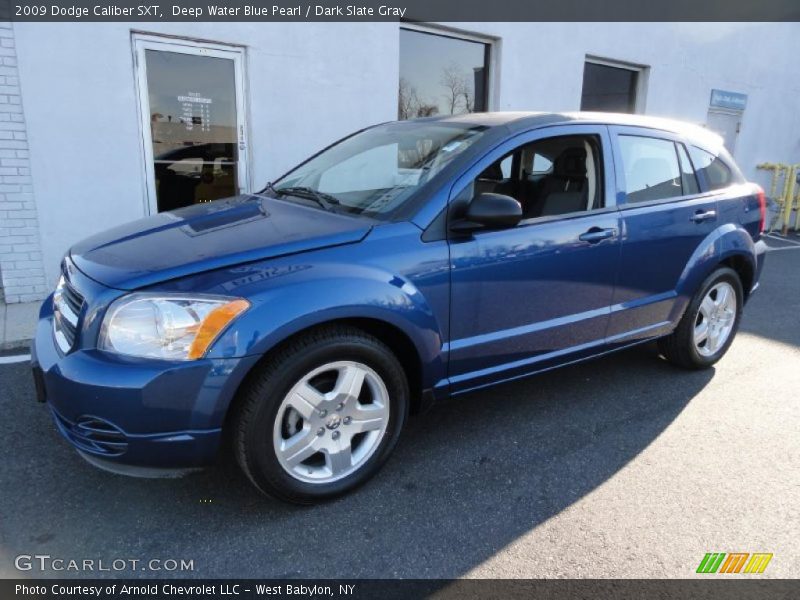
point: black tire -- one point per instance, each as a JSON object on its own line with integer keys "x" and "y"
{"x": 260, "y": 399}
{"x": 679, "y": 347}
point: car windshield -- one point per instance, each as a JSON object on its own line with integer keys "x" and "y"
{"x": 374, "y": 172}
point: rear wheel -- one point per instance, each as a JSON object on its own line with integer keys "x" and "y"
{"x": 709, "y": 324}
{"x": 322, "y": 416}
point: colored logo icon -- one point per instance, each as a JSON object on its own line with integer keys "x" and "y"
{"x": 734, "y": 562}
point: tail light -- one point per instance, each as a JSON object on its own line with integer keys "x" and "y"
{"x": 762, "y": 208}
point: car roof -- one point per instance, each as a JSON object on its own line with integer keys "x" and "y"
{"x": 520, "y": 121}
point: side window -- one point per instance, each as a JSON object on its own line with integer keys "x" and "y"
{"x": 498, "y": 172}
{"x": 717, "y": 173}
{"x": 541, "y": 165}
{"x": 651, "y": 168}
{"x": 505, "y": 167}
{"x": 553, "y": 176}
{"x": 688, "y": 178}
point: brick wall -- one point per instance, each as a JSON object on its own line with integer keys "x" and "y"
{"x": 21, "y": 266}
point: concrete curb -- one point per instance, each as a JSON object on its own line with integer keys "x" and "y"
{"x": 15, "y": 345}
{"x": 18, "y": 324}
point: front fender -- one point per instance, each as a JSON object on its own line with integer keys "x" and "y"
{"x": 726, "y": 241}
{"x": 307, "y": 295}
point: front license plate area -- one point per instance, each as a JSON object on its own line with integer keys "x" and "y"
{"x": 38, "y": 384}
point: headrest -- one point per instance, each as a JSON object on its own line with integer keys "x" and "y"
{"x": 570, "y": 164}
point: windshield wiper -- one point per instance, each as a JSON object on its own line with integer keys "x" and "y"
{"x": 271, "y": 187}
{"x": 326, "y": 201}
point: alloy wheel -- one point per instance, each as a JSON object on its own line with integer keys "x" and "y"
{"x": 715, "y": 319}
{"x": 331, "y": 422}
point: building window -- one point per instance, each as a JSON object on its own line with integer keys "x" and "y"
{"x": 441, "y": 75}
{"x": 610, "y": 88}
{"x": 191, "y": 102}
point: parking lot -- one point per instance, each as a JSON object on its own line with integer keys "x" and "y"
{"x": 619, "y": 467}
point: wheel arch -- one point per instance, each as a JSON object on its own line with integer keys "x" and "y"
{"x": 398, "y": 341}
{"x": 744, "y": 268}
{"x": 729, "y": 245}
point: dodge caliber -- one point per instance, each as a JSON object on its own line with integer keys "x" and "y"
{"x": 300, "y": 326}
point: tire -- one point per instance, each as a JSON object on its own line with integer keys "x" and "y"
{"x": 298, "y": 414}
{"x": 681, "y": 347}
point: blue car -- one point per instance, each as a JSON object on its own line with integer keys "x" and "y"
{"x": 300, "y": 326}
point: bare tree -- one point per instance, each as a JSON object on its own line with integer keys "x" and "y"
{"x": 459, "y": 96}
{"x": 409, "y": 104}
{"x": 427, "y": 110}
{"x": 453, "y": 82}
{"x": 469, "y": 101}
{"x": 406, "y": 100}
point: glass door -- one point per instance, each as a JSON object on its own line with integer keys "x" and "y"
{"x": 193, "y": 122}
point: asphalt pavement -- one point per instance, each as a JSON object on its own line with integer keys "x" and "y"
{"x": 619, "y": 467}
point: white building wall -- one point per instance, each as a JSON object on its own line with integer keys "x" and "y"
{"x": 21, "y": 263}
{"x": 310, "y": 83}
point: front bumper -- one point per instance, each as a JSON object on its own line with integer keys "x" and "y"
{"x": 136, "y": 412}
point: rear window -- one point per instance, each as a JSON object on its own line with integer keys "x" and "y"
{"x": 651, "y": 168}
{"x": 717, "y": 174}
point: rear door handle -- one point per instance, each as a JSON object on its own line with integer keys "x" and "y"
{"x": 596, "y": 234}
{"x": 703, "y": 215}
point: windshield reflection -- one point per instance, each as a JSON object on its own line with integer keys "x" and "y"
{"x": 375, "y": 171}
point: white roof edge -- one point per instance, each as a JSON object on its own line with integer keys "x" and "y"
{"x": 693, "y": 130}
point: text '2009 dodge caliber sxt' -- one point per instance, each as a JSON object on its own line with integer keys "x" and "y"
{"x": 301, "y": 325}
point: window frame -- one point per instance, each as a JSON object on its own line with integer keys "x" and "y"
{"x": 141, "y": 42}
{"x": 642, "y": 78}
{"x": 681, "y": 146}
{"x": 509, "y": 145}
{"x": 619, "y": 168}
{"x": 491, "y": 61}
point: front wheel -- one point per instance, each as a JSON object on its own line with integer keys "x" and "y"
{"x": 322, "y": 416}
{"x": 709, "y": 324}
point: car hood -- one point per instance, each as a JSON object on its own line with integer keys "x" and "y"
{"x": 210, "y": 236}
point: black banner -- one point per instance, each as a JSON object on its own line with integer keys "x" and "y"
{"x": 395, "y": 10}
{"x": 555, "y": 589}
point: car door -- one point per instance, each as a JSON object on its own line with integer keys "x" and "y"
{"x": 539, "y": 293}
{"x": 665, "y": 217}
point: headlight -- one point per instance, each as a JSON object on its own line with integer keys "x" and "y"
{"x": 167, "y": 327}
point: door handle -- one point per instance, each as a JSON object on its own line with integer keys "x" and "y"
{"x": 703, "y": 215}
{"x": 596, "y": 234}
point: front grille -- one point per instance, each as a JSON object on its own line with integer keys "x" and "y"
{"x": 73, "y": 298}
{"x": 67, "y": 307}
{"x": 94, "y": 435}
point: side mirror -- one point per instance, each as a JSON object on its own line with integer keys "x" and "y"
{"x": 490, "y": 211}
